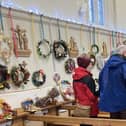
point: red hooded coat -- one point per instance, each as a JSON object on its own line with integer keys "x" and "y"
{"x": 84, "y": 89}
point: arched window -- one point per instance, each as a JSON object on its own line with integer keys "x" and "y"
{"x": 100, "y": 12}
{"x": 91, "y": 12}
{"x": 96, "y": 12}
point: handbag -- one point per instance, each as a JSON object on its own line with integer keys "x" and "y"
{"x": 82, "y": 111}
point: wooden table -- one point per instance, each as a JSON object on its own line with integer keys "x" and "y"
{"x": 53, "y": 118}
{"x": 71, "y": 121}
{"x": 21, "y": 116}
{"x": 54, "y": 109}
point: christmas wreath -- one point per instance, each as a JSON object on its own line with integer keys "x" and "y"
{"x": 46, "y": 46}
{"x": 69, "y": 65}
{"x": 20, "y": 74}
{"x": 94, "y": 49}
{"x": 93, "y": 59}
{"x": 4, "y": 77}
{"x": 124, "y": 42}
{"x": 60, "y": 49}
{"x": 38, "y": 78}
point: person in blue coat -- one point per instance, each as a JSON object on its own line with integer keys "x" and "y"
{"x": 112, "y": 84}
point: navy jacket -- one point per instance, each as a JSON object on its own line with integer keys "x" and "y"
{"x": 112, "y": 83}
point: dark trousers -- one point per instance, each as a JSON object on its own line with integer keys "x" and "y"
{"x": 118, "y": 115}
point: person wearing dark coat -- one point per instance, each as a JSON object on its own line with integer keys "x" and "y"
{"x": 112, "y": 83}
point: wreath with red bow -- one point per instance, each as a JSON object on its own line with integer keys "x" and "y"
{"x": 38, "y": 78}
{"x": 69, "y": 65}
{"x": 20, "y": 74}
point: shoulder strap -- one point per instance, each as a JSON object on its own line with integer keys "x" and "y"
{"x": 89, "y": 81}
{"x": 83, "y": 79}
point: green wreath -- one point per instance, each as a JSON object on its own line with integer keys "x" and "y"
{"x": 36, "y": 78}
{"x": 40, "y": 51}
{"x": 94, "y": 49}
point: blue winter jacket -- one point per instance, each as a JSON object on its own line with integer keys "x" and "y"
{"x": 112, "y": 83}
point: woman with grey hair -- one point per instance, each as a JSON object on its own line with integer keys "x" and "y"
{"x": 121, "y": 49}
{"x": 112, "y": 83}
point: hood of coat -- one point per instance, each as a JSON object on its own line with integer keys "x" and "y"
{"x": 80, "y": 72}
{"x": 116, "y": 60}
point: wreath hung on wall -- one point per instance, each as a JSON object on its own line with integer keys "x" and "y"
{"x": 93, "y": 59}
{"x": 124, "y": 42}
{"x": 20, "y": 74}
{"x": 69, "y": 65}
{"x": 43, "y": 48}
{"x": 38, "y": 78}
{"x": 4, "y": 77}
{"x": 94, "y": 49}
{"x": 60, "y": 49}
